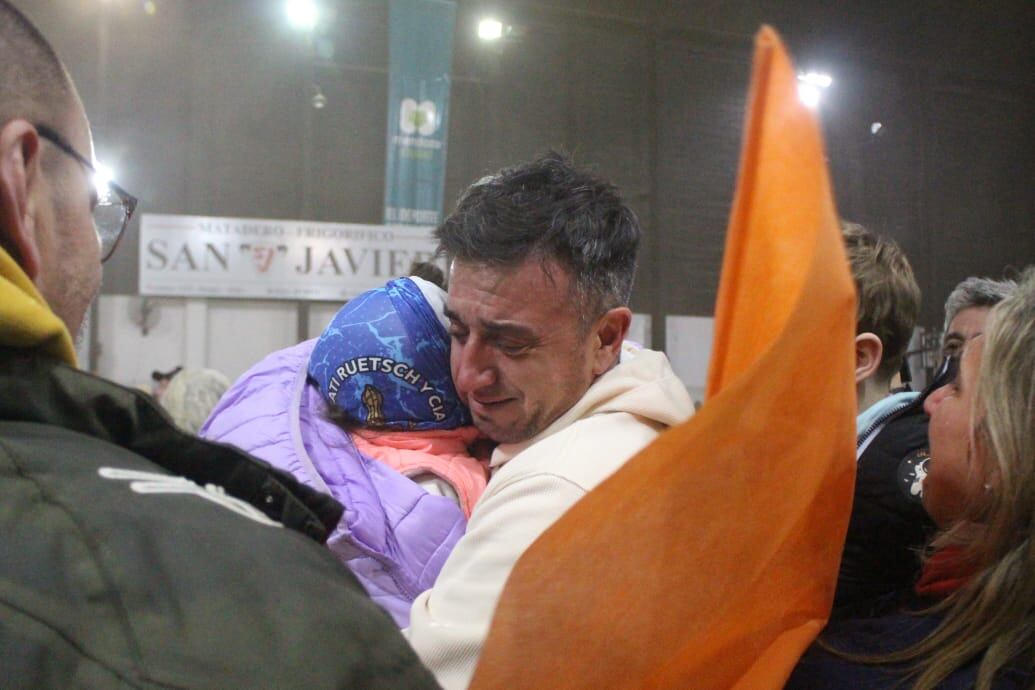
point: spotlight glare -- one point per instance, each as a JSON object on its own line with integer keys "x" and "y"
{"x": 809, "y": 95}
{"x": 103, "y": 175}
{"x": 823, "y": 81}
{"x": 301, "y": 14}
{"x": 490, "y": 29}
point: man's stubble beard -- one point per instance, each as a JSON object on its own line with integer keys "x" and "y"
{"x": 80, "y": 284}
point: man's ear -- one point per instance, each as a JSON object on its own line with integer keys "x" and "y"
{"x": 19, "y": 174}
{"x": 609, "y": 334}
{"x": 869, "y": 351}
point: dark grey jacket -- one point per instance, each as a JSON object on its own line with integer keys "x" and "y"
{"x": 889, "y": 526}
{"x": 134, "y": 555}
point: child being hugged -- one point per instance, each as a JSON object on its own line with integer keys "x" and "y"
{"x": 368, "y": 413}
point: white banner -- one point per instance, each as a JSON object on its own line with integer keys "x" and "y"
{"x": 199, "y": 256}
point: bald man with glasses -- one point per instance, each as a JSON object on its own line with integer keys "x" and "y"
{"x": 133, "y": 554}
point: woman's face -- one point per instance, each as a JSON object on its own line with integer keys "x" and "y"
{"x": 956, "y": 476}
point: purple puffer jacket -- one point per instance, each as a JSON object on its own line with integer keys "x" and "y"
{"x": 394, "y": 535}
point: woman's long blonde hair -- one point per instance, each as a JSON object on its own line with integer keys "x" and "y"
{"x": 993, "y": 616}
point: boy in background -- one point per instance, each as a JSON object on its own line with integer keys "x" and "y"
{"x": 888, "y": 526}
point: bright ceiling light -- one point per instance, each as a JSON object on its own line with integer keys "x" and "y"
{"x": 490, "y": 29}
{"x": 819, "y": 79}
{"x": 302, "y": 14}
{"x": 809, "y": 95}
{"x": 102, "y": 177}
{"x": 811, "y": 86}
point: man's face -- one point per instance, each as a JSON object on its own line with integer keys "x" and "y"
{"x": 964, "y": 326}
{"x": 70, "y": 259}
{"x": 519, "y": 356}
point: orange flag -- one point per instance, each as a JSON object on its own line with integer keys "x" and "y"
{"x": 709, "y": 560}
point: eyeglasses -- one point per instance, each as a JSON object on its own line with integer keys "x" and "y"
{"x": 115, "y": 205}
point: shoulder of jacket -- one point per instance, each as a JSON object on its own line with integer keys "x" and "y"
{"x": 901, "y": 436}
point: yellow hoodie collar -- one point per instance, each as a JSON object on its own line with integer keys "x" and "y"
{"x": 25, "y": 319}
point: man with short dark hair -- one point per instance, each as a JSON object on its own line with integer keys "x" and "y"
{"x": 134, "y": 554}
{"x": 543, "y": 261}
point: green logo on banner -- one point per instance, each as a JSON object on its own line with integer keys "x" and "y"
{"x": 417, "y": 117}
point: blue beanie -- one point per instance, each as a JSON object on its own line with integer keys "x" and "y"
{"x": 384, "y": 360}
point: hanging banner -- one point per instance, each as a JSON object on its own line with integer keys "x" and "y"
{"x": 200, "y": 256}
{"x": 420, "y": 56}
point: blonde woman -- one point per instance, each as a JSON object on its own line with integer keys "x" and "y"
{"x": 970, "y": 620}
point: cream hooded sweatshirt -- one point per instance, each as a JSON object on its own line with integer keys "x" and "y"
{"x": 533, "y": 483}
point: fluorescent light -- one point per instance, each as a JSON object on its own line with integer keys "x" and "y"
{"x": 490, "y": 29}
{"x": 302, "y": 14}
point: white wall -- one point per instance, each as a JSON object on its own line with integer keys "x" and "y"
{"x": 241, "y": 332}
{"x": 320, "y": 315}
{"x": 231, "y": 335}
{"x": 639, "y": 330}
{"x": 226, "y": 335}
{"x": 124, "y": 353}
{"x": 688, "y": 342}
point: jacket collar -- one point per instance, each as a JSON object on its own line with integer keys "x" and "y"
{"x": 883, "y": 408}
{"x": 35, "y": 388}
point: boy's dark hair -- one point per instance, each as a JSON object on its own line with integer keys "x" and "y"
{"x": 889, "y": 298}
{"x": 550, "y": 210}
{"x": 429, "y": 272}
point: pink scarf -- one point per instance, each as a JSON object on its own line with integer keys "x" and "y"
{"x": 443, "y": 453}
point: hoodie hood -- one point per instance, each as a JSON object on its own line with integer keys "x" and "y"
{"x": 642, "y": 384}
{"x": 26, "y": 321}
